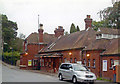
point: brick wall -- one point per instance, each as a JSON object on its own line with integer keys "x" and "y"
{"x": 32, "y": 51}
{"x": 75, "y": 54}
{"x": 93, "y": 55}
{"x": 109, "y": 73}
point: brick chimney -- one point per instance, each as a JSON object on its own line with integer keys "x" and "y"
{"x": 88, "y": 22}
{"x": 59, "y": 31}
{"x": 40, "y": 30}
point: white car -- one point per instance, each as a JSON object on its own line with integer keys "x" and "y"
{"x": 76, "y": 73}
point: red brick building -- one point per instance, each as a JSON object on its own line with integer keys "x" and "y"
{"x": 90, "y": 47}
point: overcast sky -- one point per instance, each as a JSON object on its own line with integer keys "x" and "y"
{"x": 52, "y": 13}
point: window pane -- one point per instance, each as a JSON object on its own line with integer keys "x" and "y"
{"x": 111, "y": 62}
{"x": 93, "y": 62}
{"x": 75, "y": 60}
{"x": 70, "y": 60}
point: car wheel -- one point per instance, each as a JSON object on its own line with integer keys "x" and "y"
{"x": 91, "y": 82}
{"x": 74, "y": 80}
{"x": 60, "y": 77}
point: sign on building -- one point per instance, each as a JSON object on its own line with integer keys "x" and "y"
{"x": 104, "y": 65}
{"x": 29, "y": 62}
{"x": 116, "y": 62}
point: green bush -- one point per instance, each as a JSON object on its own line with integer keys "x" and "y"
{"x": 11, "y": 57}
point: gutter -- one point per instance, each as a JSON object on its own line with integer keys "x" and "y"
{"x": 60, "y": 50}
{"x": 110, "y": 54}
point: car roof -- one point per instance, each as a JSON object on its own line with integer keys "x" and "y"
{"x": 72, "y": 63}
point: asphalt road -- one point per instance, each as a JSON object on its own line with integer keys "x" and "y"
{"x": 17, "y": 75}
{"x": 12, "y": 75}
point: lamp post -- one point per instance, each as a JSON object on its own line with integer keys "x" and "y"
{"x": 3, "y": 50}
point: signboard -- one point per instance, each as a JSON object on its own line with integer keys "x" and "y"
{"x": 29, "y": 62}
{"x": 104, "y": 65}
{"x": 116, "y": 62}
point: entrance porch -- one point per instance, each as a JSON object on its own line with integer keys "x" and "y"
{"x": 50, "y": 62}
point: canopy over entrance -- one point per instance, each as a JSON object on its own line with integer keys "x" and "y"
{"x": 49, "y": 55}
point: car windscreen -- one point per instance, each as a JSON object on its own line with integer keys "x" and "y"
{"x": 79, "y": 68}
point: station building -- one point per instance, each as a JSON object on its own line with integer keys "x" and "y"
{"x": 98, "y": 50}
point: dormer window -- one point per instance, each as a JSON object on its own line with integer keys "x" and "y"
{"x": 98, "y": 36}
{"x": 106, "y": 36}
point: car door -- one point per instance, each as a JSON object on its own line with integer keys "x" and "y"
{"x": 63, "y": 70}
{"x": 69, "y": 72}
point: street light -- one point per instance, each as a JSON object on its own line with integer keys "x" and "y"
{"x": 26, "y": 53}
{"x": 70, "y": 53}
{"x": 88, "y": 55}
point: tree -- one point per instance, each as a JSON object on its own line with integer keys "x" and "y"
{"x": 98, "y": 24}
{"x": 78, "y": 28}
{"x": 21, "y": 36}
{"x": 111, "y": 16}
{"x": 9, "y": 32}
{"x": 18, "y": 44}
{"x": 72, "y": 28}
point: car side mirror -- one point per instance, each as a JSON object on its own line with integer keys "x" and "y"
{"x": 70, "y": 69}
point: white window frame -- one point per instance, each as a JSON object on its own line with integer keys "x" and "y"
{"x": 89, "y": 63}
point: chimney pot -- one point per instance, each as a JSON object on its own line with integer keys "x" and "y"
{"x": 41, "y": 26}
{"x": 88, "y": 16}
{"x": 60, "y": 27}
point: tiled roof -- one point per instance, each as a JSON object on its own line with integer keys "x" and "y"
{"x": 33, "y": 38}
{"x": 98, "y": 44}
{"x": 84, "y": 39}
{"x": 113, "y": 47}
{"x": 72, "y": 41}
{"x": 108, "y": 31}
